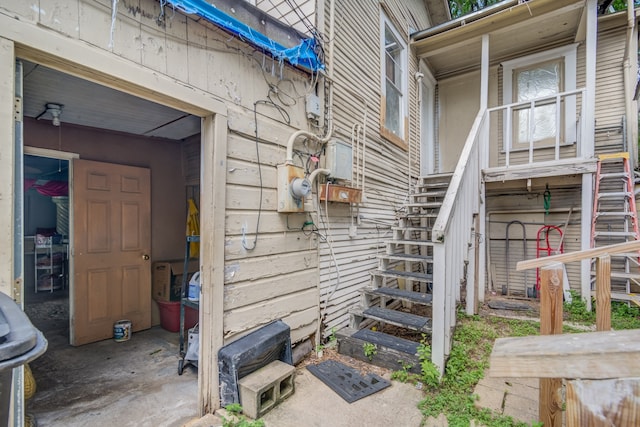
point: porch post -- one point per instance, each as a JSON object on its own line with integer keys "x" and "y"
{"x": 484, "y": 162}
{"x": 484, "y": 73}
{"x": 587, "y": 145}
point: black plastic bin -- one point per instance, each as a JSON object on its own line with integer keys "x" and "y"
{"x": 250, "y": 353}
{"x": 20, "y": 343}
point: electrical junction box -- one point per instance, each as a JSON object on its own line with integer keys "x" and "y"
{"x": 339, "y": 160}
{"x": 287, "y": 202}
{"x": 312, "y": 106}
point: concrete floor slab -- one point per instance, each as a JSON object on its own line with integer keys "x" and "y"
{"x": 315, "y": 405}
{"x": 108, "y": 383}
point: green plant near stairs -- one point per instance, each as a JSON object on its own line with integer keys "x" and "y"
{"x": 473, "y": 341}
{"x": 236, "y": 418}
{"x": 369, "y": 350}
{"x": 430, "y": 375}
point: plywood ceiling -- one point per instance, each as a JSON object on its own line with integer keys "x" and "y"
{"x": 89, "y": 104}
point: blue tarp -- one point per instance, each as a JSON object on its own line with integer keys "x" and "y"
{"x": 304, "y": 54}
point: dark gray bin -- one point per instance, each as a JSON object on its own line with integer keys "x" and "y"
{"x": 250, "y": 353}
{"x": 20, "y": 343}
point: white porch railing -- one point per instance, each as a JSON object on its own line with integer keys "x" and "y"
{"x": 453, "y": 240}
{"x": 548, "y": 128}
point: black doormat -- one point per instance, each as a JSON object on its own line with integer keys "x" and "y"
{"x": 346, "y": 381}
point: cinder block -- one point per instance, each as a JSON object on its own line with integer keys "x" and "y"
{"x": 263, "y": 389}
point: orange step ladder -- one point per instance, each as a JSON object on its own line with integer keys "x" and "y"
{"x": 615, "y": 218}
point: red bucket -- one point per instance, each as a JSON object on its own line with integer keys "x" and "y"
{"x": 170, "y": 316}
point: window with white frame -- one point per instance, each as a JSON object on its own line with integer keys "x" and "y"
{"x": 537, "y": 76}
{"x": 394, "y": 82}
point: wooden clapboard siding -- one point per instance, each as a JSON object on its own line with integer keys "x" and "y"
{"x": 240, "y": 272}
{"x": 509, "y": 205}
{"x": 610, "y": 106}
{"x": 279, "y": 277}
{"x": 356, "y": 90}
{"x": 263, "y": 289}
{"x": 246, "y": 317}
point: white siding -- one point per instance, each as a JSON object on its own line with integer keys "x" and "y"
{"x": 356, "y": 71}
{"x": 610, "y": 105}
{"x": 519, "y": 204}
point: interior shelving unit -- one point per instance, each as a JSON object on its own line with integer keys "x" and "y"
{"x": 50, "y": 265}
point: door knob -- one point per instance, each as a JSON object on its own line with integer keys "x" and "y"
{"x": 145, "y": 257}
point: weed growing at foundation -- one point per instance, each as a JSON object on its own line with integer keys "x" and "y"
{"x": 403, "y": 375}
{"x": 237, "y": 419}
{"x": 369, "y": 350}
{"x": 430, "y": 375}
{"x": 473, "y": 341}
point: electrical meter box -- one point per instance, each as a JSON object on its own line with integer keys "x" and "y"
{"x": 287, "y": 202}
{"x": 339, "y": 160}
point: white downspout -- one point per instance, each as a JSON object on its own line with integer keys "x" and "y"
{"x": 419, "y": 76}
{"x": 628, "y": 78}
{"x": 587, "y": 146}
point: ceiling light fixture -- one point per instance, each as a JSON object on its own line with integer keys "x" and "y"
{"x": 54, "y": 110}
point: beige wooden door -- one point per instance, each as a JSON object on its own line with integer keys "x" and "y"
{"x": 111, "y": 241}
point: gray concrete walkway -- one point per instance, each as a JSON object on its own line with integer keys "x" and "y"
{"x": 515, "y": 397}
{"x": 316, "y": 405}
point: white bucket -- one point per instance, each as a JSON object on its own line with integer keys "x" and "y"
{"x": 194, "y": 287}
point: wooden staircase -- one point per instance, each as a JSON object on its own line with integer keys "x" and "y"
{"x": 398, "y": 299}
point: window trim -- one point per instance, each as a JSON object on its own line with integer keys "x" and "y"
{"x": 399, "y": 140}
{"x": 568, "y": 56}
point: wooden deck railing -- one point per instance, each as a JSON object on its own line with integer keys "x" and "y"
{"x": 569, "y": 127}
{"x": 602, "y": 368}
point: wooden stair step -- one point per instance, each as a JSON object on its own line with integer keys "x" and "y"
{"x": 406, "y": 257}
{"x": 385, "y": 340}
{"x": 410, "y": 228}
{"x": 622, "y": 296}
{"x": 399, "y": 318}
{"x": 399, "y": 274}
{"x": 393, "y": 353}
{"x": 420, "y": 214}
{"x": 424, "y": 205}
{"x": 400, "y": 294}
{"x": 410, "y": 242}
{"x": 622, "y": 275}
{"x": 435, "y": 196}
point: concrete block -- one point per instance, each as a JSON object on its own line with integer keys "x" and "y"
{"x": 263, "y": 389}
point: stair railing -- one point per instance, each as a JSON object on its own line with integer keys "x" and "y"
{"x": 453, "y": 238}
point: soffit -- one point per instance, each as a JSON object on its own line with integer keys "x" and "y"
{"x": 513, "y": 31}
{"x": 89, "y": 104}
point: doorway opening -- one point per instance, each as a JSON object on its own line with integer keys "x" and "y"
{"x": 120, "y": 133}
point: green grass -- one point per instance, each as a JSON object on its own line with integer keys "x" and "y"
{"x": 623, "y": 316}
{"x": 472, "y": 344}
{"x": 473, "y": 341}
